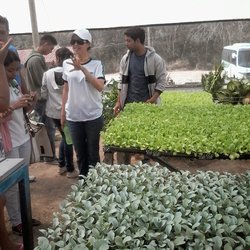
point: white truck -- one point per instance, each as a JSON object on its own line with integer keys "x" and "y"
{"x": 236, "y": 60}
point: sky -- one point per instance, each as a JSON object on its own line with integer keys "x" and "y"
{"x": 57, "y": 15}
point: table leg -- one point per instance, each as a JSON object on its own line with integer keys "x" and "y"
{"x": 25, "y": 205}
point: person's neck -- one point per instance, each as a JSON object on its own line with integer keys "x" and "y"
{"x": 83, "y": 58}
{"x": 39, "y": 50}
{"x": 140, "y": 51}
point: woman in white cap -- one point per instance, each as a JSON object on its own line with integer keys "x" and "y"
{"x": 82, "y": 100}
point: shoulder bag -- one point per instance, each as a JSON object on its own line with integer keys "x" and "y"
{"x": 40, "y": 143}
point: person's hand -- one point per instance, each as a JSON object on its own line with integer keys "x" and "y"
{"x": 22, "y": 102}
{"x": 76, "y": 63}
{"x": 33, "y": 96}
{"x": 28, "y": 99}
{"x": 152, "y": 100}
{"x": 117, "y": 108}
{"x": 4, "y": 50}
{"x": 154, "y": 97}
{"x": 32, "y": 99}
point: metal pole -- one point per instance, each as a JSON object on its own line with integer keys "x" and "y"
{"x": 149, "y": 38}
{"x": 35, "y": 35}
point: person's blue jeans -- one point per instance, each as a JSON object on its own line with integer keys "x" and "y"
{"x": 40, "y": 116}
{"x": 65, "y": 151}
{"x": 86, "y": 138}
{"x": 51, "y": 131}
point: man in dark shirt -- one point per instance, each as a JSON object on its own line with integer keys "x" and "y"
{"x": 142, "y": 72}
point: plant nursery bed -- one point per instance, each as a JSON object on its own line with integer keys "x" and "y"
{"x": 50, "y": 188}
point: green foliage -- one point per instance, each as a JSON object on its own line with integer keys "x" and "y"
{"x": 185, "y": 123}
{"x": 213, "y": 81}
{"x": 145, "y": 207}
{"x": 224, "y": 89}
{"x": 109, "y": 100}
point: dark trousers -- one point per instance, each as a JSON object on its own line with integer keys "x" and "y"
{"x": 86, "y": 137}
{"x": 66, "y": 152}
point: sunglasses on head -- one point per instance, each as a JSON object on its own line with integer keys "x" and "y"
{"x": 78, "y": 41}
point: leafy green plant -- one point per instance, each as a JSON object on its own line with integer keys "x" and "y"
{"x": 185, "y": 123}
{"x": 145, "y": 207}
{"x": 236, "y": 90}
{"x": 213, "y": 81}
{"x": 109, "y": 100}
{"x": 224, "y": 89}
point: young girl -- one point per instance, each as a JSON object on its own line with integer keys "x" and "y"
{"x": 16, "y": 135}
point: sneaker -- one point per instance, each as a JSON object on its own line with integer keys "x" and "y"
{"x": 32, "y": 178}
{"x": 18, "y": 230}
{"x": 61, "y": 170}
{"x": 73, "y": 174}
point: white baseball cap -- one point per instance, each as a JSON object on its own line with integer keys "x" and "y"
{"x": 84, "y": 34}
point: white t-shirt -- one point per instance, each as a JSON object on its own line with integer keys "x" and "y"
{"x": 52, "y": 92}
{"x": 84, "y": 101}
{"x": 18, "y": 130}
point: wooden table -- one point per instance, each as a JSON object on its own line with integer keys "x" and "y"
{"x": 15, "y": 171}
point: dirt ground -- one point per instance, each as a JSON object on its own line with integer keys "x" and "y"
{"x": 50, "y": 188}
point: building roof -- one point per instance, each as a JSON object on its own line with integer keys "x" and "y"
{"x": 50, "y": 59}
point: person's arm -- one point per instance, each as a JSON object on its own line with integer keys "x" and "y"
{"x": 98, "y": 83}
{"x": 25, "y": 101}
{"x": 4, "y": 86}
{"x": 23, "y": 82}
{"x": 44, "y": 88}
{"x": 161, "y": 75}
{"x": 64, "y": 100}
{"x": 161, "y": 79}
{"x": 117, "y": 107}
{"x": 154, "y": 97}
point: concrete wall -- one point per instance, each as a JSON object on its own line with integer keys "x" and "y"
{"x": 185, "y": 46}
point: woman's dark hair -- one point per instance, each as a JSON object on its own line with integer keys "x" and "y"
{"x": 63, "y": 54}
{"x": 11, "y": 57}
